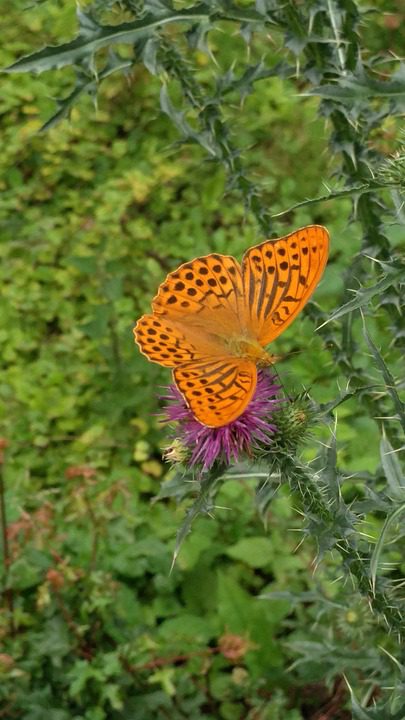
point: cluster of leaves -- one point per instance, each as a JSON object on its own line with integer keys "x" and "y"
{"x": 101, "y": 630}
{"x": 93, "y": 214}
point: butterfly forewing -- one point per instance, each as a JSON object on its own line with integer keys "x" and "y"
{"x": 204, "y": 293}
{"x": 217, "y": 390}
{"x": 279, "y": 277}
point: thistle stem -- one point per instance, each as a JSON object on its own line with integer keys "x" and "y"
{"x": 334, "y": 529}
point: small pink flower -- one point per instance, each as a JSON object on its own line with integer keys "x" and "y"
{"x": 205, "y": 445}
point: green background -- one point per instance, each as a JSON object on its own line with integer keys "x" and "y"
{"x": 93, "y": 215}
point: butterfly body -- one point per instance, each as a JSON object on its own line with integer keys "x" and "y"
{"x": 213, "y": 317}
{"x": 250, "y": 349}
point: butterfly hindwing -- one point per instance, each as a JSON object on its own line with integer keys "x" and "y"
{"x": 163, "y": 342}
{"x": 171, "y": 342}
{"x": 279, "y": 277}
{"x": 217, "y": 390}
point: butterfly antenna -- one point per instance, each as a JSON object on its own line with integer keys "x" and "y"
{"x": 280, "y": 358}
{"x": 274, "y": 369}
{"x": 291, "y": 354}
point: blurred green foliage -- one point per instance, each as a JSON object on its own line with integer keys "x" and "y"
{"x": 93, "y": 214}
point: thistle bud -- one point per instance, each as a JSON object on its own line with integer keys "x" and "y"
{"x": 294, "y": 420}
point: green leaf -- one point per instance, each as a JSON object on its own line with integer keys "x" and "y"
{"x": 256, "y": 552}
{"x": 331, "y": 195}
{"x": 178, "y": 119}
{"x": 55, "y": 640}
{"x": 234, "y": 604}
{"x": 343, "y": 396}
{"x": 81, "y": 674}
{"x": 392, "y": 469}
{"x": 112, "y": 693}
{"x": 27, "y": 572}
{"x": 85, "y": 263}
{"x": 244, "y": 85}
{"x": 187, "y": 627}
{"x": 363, "y": 296}
{"x": 156, "y": 7}
{"x": 265, "y": 493}
{"x": 97, "y": 327}
{"x": 85, "y": 84}
{"x": 92, "y": 37}
{"x": 375, "y": 558}
{"x": 329, "y": 472}
{"x": 359, "y": 713}
{"x": 382, "y": 711}
{"x": 176, "y": 487}
{"x": 349, "y": 88}
{"x": 388, "y": 378}
{"x": 202, "y": 504}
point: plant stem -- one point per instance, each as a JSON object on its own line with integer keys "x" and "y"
{"x": 95, "y": 533}
{"x": 7, "y": 592}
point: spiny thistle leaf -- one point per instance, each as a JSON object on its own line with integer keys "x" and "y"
{"x": 156, "y": 7}
{"x": 359, "y": 713}
{"x": 363, "y": 296}
{"x": 88, "y": 85}
{"x": 178, "y": 118}
{"x": 326, "y": 408}
{"x": 393, "y": 709}
{"x": 329, "y": 474}
{"x": 392, "y": 470}
{"x": 375, "y": 558}
{"x": 331, "y": 195}
{"x": 176, "y": 487}
{"x": 92, "y": 38}
{"x": 388, "y": 378}
{"x": 391, "y": 173}
{"x": 202, "y": 504}
{"x": 349, "y": 88}
{"x": 244, "y": 85}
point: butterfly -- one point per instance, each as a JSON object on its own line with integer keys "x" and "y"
{"x": 212, "y": 318}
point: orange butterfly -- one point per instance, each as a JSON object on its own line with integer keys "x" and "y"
{"x": 212, "y": 318}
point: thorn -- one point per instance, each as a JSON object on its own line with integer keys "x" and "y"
{"x": 299, "y": 544}
{"x": 341, "y": 577}
{"x": 175, "y": 556}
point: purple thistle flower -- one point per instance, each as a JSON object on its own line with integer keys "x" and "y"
{"x": 204, "y": 445}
